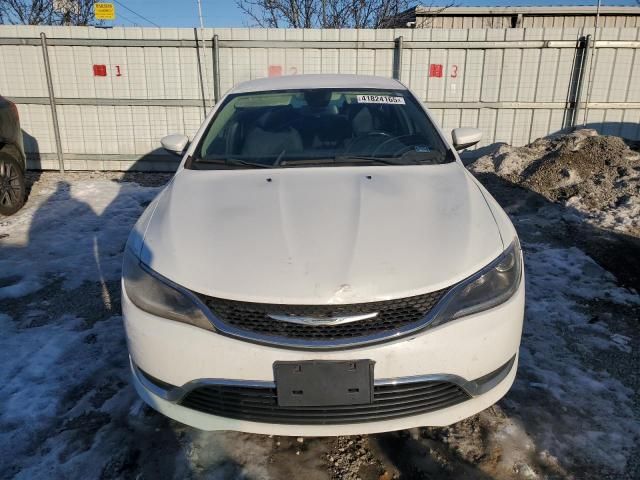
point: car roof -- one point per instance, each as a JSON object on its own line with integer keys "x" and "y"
{"x": 293, "y": 82}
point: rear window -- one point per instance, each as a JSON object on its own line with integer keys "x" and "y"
{"x": 320, "y": 127}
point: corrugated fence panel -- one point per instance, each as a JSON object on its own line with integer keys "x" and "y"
{"x": 438, "y": 56}
{"x": 512, "y": 64}
{"x": 622, "y": 69}
{"x": 37, "y": 126}
{"x": 456, "y": 67}
{"x": 115, "y": 100}
{"x": 605, "y": 59}
{"x": 474, "y": 68}
{"x": 22, "y": 71}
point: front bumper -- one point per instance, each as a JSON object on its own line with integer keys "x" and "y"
{"x": 154, "y": 397}
{"x": 467, "y": 348}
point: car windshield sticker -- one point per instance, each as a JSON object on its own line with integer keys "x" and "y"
{"x": 380, "y": 99}
{"x": 422, "y": 148}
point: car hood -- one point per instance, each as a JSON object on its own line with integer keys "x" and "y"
{"x": 321, "y": 235}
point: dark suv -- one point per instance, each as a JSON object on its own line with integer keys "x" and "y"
{"x": 12, "y": 159}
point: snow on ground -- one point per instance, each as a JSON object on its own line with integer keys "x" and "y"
{"x": 62, "y": 386}
{"x": 583, "y": 412}
{"x": 624, "y": 218}
{"x": 77, "y": 234}
{"x": 67, "y": 409}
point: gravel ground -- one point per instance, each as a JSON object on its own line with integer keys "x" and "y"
{"x": 67, "y": 409}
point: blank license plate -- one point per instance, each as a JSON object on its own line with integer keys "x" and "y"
{"x": 316, "y": 383}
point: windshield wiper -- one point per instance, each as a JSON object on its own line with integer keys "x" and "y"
{"x": 306, "y": 162}
{"x": 239, "y": 161}
{"x": 232, "y": 162}
{"x": 369, "y": 159}
{"x": 311, "y": 162}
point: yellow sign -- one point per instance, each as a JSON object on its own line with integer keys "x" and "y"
{"x": 105, "y": 11}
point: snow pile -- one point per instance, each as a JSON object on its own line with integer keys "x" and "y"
{"x": 597, "y": 175}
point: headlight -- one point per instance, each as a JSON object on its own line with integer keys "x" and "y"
{"x": 153, "y": 293}
{"x": 491, "y": 286}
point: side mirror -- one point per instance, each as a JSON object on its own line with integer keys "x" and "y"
{"x": 175, "y": 143}
{"x": 465, "y": 137}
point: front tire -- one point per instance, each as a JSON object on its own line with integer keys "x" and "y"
{"x": 12, "y": 185}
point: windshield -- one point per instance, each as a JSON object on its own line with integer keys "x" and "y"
{"x": 318, "y": 127}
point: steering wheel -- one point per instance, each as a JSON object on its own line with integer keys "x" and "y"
{"x": 362, "y": 138}
{"x": 403, "y": 147}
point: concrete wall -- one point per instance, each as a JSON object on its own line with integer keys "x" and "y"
{"x": 514, "y": 84}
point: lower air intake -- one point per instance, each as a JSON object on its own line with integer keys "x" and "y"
{"x": 259, "y": 404}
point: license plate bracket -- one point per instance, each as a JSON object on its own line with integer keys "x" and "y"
{"x": 320, "y": 383}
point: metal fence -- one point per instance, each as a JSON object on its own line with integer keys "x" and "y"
{"x": 100, "y": 99}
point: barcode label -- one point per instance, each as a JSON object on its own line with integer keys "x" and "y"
{"x": 380, "y": 99}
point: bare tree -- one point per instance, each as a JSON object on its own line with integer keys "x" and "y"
{"x": 280, "y": 13}
{"x": 322, "y": 13}
{"x": 332, "y": 13}
{"x": 47, "y": 12}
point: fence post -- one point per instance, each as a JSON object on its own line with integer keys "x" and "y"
{"x": 216, "y": 68}
{"x": 586, "y": 43}
{"x": 52, "y": 101}
{"x": 397, "y": 59}
{"x": 200, "y": 73}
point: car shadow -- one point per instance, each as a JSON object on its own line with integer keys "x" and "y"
{"x": 60, "y": 313}
{"x": 412, "y": 455}
{"x": 34, "y": 161}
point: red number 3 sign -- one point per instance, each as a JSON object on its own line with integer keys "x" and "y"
{"x": 454, "y": 71}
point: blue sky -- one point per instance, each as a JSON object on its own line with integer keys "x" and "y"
{"x": 224, "y": 13}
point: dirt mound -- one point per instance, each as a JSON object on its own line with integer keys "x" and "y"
{"x": 597, "y": 175}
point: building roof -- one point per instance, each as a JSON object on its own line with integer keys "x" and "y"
{"x": 292, "y": 82}
{"x": 530, "y": 10}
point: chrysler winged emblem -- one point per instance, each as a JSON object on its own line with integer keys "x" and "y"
{"x": 338, "y": 320}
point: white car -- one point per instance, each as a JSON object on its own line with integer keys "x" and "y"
{"x": 322, "y": 264}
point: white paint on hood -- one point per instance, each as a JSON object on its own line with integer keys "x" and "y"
{"x": 321, "y": 235}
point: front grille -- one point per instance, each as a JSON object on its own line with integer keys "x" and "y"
{"x": 393, "y": 315}
{"x": 259, "y": 404}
